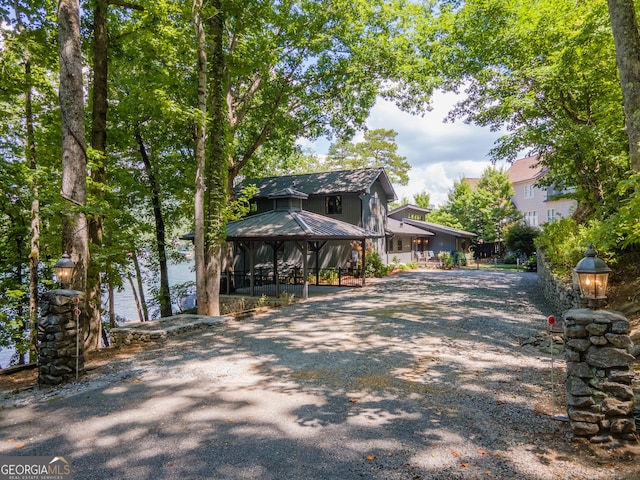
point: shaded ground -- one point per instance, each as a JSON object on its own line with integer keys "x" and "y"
{"x": 418, "y": 376}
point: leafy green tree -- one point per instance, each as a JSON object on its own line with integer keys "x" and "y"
{"x": 520, "y": 238}
{"x": 485, "y": 210}
{"x": 493, "y": 208}
{"x": 377, "y": 150}
{"x": 422, "y": 199}
{"x": 545, "y": 72}
{"x": 460, "y": 205}
{"x": 441, "y": 216}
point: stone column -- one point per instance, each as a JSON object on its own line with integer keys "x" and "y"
{"x": 600, "y": 402}
{"x": 60, "y": 343}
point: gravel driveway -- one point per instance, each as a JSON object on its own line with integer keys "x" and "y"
{"x": 418, "y": 376}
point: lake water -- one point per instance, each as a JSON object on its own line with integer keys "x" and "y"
{"x": 124, "y": 304}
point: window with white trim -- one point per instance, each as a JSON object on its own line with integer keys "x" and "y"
{"x": 528, "y": 191}
{"x": 551, "y": 215}
{"x": 531, "y": 218}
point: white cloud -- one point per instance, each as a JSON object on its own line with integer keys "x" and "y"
{"x": 438, "y": 152}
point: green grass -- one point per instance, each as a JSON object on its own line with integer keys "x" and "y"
{"x": 491, "y": 266}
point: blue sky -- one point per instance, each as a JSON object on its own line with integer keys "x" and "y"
{"x": 439, "y": 153}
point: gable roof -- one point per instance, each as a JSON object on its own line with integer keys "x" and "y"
{"x": 294, "y": 225}
{"x": 525, "y": 169}
{"x": 435, "y": 227}
{"x": 325, "y": 183}
{"x": 410, "y": 208}
{"x": 399, "y": 227}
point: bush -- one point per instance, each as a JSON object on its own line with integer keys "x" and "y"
{"x": 446, "y": 260}
{"x": 329, "y": 276}
{"x": 510, "y": 258}
{"x": 375, "y": 267}
{"x": 460, "y": 259}
{"x": 520, "y": 239}
{"x": 564, "y": 243}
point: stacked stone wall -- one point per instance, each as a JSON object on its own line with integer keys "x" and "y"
{"x": 57, "y": 336}
{"x": 600, "y": 400}
{"x": 558, "y": 292}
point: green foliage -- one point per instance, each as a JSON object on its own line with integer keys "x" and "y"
{"x": 375, "y": 267}
{"x": 328, "y": 276}
{"x": 460, "y": 259}
{"x": 446, "y": 260}
{"x": 422, "y": 199}
{"x": 543, "y": 71}
{"x": 485, "y": 210}
{"x": 564, "y": 243}
{"x": 510, "y": 258}
{"x": 377, "y": 150}
{"x": 520, "y": 238}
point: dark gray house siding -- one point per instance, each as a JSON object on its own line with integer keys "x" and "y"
{"x": 359, "y": 197}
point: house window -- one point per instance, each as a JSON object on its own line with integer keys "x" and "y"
{"x": 551, "y": 215}
{"x": 399, "y": 245}
{"x": 333, "y": 204}
{"x": 531, "y": 218}
{"x": 528, "y": 191}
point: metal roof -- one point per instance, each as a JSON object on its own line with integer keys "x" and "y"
{"x": 324, "y": 183}
{"x": 294, "y": 225}
{"x": 399, "y": 227}
{"x": 434, "y": 227}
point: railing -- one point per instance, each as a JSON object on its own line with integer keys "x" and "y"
{"x": 290, "y": 281}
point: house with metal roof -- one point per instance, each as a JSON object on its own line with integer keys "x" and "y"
{"x": 315, "y": 222}
{"x": 412, "y": 238}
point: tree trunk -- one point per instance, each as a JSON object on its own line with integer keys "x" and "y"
{"x": 136, "y": 299}
{"x": 627, "y": 40}
{"x": 143, "y": 311}
{"x": 30, "y": 151}
{"x": 217, "y": 170}
{"x": 98, "y": 172}
{"x": 200, "y": 154}
{"x": 75, "y": 239}
{"x": 165, "y": 296}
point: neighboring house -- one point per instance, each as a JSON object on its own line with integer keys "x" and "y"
{"x": 538, "y": 205}
{"x": 412, "y": 238}
{"x": 358, "y": 197}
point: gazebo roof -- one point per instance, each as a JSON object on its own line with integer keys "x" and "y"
{"x": 289, "y": 224}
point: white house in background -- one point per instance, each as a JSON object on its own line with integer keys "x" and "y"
{"x": 538, "y": 205}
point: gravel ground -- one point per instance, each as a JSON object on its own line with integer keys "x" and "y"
{"x": 423, "y": 375}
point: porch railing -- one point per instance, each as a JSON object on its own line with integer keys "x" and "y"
{"x": 291, "y": 281}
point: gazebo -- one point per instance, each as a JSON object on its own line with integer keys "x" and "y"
{"x": 288, "y": 222}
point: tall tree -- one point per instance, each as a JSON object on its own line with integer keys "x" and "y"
{"x": 377, "y": 150}
{"x": 422, "y": 199}
{"x": 624, "y": 24}
{"x": 544, "y": 71}
{"x": 75, "y": 239}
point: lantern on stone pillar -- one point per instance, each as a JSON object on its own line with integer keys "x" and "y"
{"x": 63, "y": 269}
{"x": 593, "y": 276}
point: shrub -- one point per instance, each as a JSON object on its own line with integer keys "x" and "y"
{"x": 375, "y": 267}
{"x": 446, "y": 260}
{"x": 510, "y": 258}
{"x": 460, "y": 259}
{"x": 520, "y": 239}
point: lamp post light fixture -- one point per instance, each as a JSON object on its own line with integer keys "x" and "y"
{"x": 593, "y": 275}
{"x": 63, "y": 269}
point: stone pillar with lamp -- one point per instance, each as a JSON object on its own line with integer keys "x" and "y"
{"x": 600, "y": 400}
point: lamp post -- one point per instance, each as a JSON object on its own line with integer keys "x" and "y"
{"x": 593, "y": 275}
{"x": 63, "y": 269}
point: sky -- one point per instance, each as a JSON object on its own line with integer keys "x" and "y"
{"x": 439, "y": 153}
